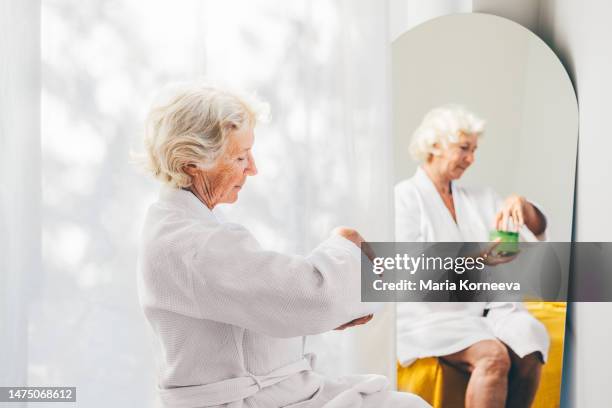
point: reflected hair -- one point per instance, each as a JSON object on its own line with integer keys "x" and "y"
{"x": 190, "y": 124}
{"x": 442, "y": 126}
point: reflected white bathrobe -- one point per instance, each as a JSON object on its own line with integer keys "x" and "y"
{"x": 438, "y": 329}
{"x": 228, "y": 315}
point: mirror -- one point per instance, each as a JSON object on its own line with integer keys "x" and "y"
{"x": 507, "y": 86}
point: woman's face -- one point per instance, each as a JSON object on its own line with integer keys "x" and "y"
{"x": 455, "y": 158}
{"x": 221, "y": 183}
{"x": 238, "y": 164}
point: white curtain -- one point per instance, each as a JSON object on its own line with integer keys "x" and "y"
{"x": 19, "y": 182}
{"x": 323, "y": 160}
{"x": 406, "y": 14}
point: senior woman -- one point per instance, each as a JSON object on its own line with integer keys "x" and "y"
{"x": 501, "y": 345}
{"x": 229, "y": 316}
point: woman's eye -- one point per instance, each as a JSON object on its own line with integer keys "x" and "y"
{"x": 241, "y": 158}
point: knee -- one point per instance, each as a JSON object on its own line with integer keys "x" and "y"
{"x": 494, "y": 359}
{"x": 528, "y": 368}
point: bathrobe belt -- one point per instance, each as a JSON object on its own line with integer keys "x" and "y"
{"x": 232, "y": 389}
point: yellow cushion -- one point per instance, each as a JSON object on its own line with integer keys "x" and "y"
{"x": 444, "y": 386}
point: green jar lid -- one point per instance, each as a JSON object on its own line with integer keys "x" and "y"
{"x": 509, "y": 241}
{"x": 506, "y": 236}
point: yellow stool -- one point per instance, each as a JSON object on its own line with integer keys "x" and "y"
{"x": 443, "y": 386}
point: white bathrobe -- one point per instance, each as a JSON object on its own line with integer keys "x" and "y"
{"x": 228, "y": 315}
{"x": 438, "y": 329}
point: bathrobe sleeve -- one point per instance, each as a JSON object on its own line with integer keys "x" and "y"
{"x": 233, "y": 280}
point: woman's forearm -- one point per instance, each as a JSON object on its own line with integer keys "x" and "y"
{"x": 534, "y": 219}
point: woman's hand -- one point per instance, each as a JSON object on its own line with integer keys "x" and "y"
{"x": 514, "y": 209}
{"x": 357, "y": 322}
{"x": 350, "y": 234}
{"x": 491, "y": 257}
{"x": 356, "y": 238}
{"x": 521, "y": 212}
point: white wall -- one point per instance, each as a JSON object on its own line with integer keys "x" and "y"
{"x": 524, "y": 12}
{"x": 579, "y": 32}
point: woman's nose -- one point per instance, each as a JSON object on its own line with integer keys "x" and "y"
{"x": 470, "y": 158}
{"x": 251, "y": 169}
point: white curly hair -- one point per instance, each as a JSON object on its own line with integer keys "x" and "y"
{"x": 190, "y": 124}
{"x": 442, "y": 126}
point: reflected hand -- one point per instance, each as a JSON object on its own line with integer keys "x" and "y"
{"x": 492, "y": 257}
{"x": 357, "y": 322}
{"x": 514, "y": 208}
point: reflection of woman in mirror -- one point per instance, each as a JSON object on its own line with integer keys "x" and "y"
{"x": 500, "y": 344}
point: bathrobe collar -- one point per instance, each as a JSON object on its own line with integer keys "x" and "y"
{"x": 470, "y": 210}
{"x": 453, "y": 230}
{"x": 187, "y": 201}
{"x": 427, "y": 186}
{"x": 423, "y": 180}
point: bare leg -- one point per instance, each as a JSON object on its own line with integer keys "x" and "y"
{"x": 488, "y": 363}
{"x": 524, "y": 379}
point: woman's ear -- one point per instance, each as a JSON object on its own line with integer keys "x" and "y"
{"x": 435, "y": 151}
{"x": 191, "y": 169}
